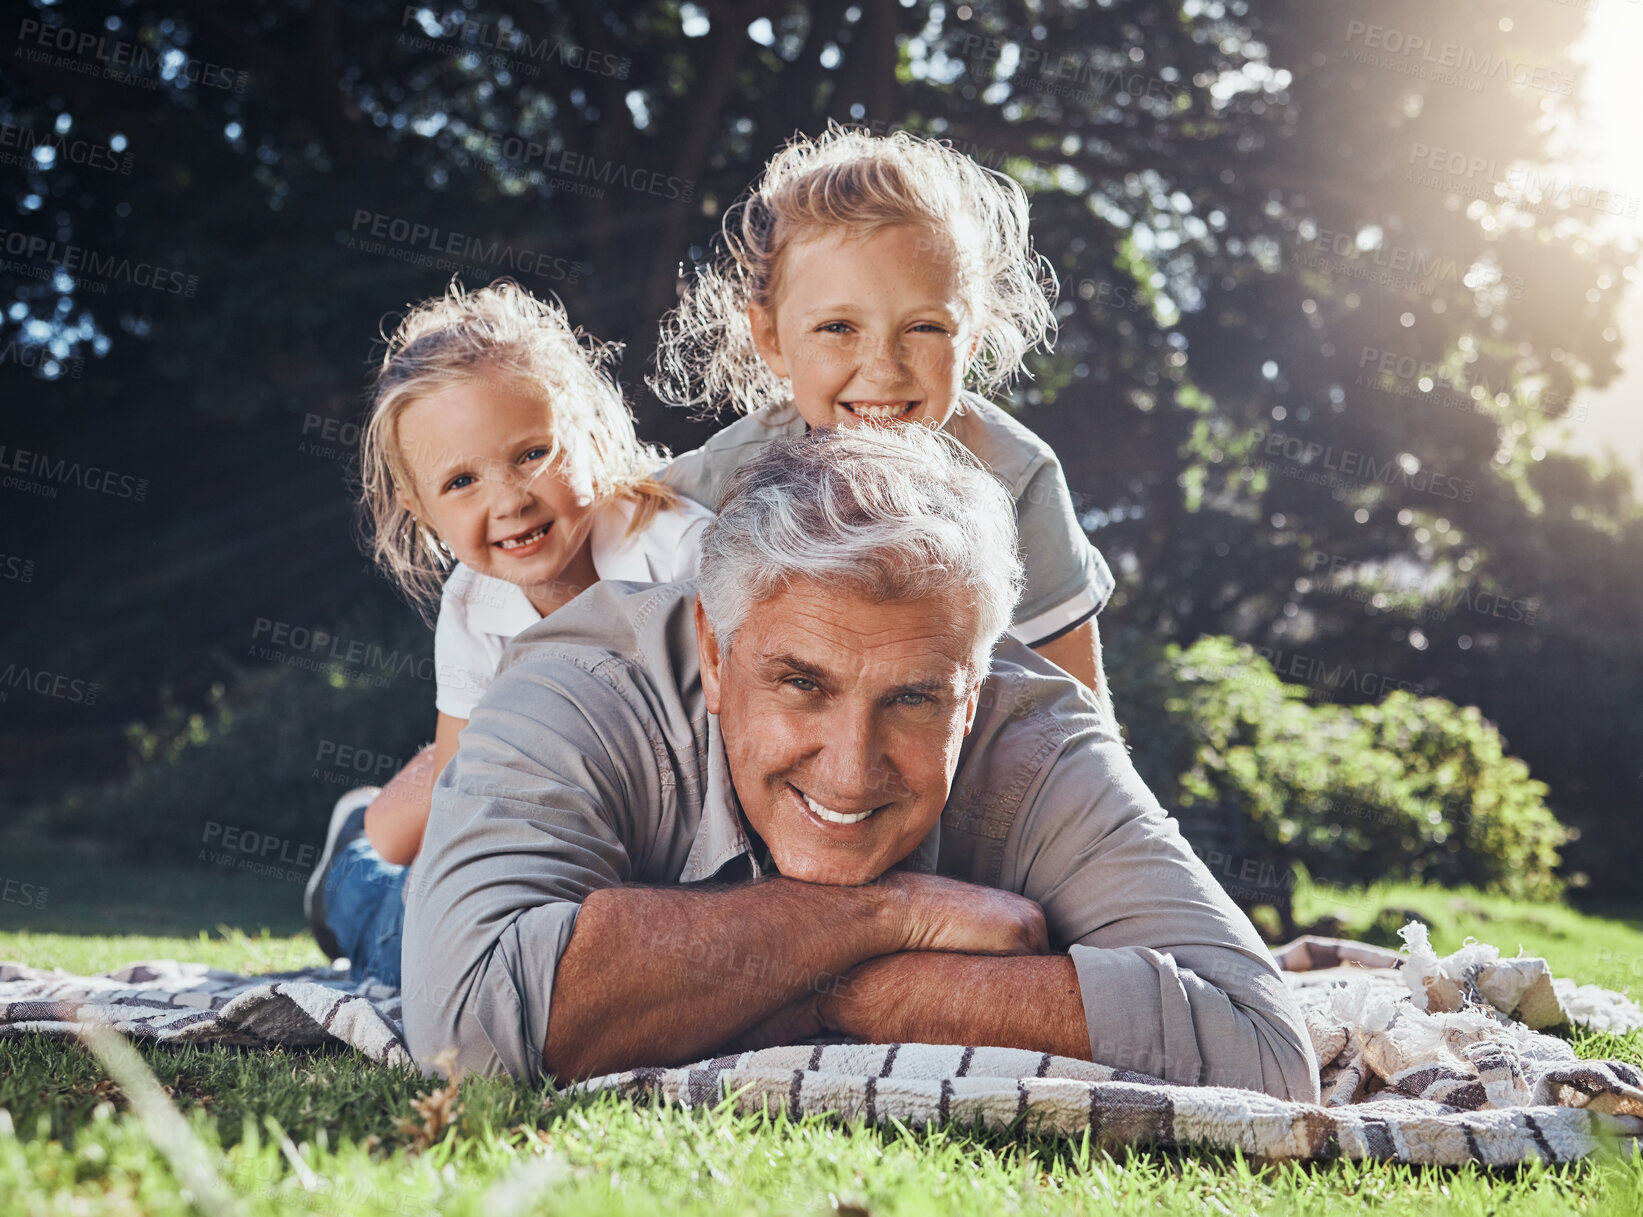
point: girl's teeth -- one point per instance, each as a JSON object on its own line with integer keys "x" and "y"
{"x": 835, "y": 817}
{"x": 877, "y": 413}
{"x": 516, "y": 542}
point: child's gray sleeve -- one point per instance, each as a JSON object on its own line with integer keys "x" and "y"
{"x": 701, "y": 474}
{"x": 1068, "y": 580}
{"x": 693, "y": 474}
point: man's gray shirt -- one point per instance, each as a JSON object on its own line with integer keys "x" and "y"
{"x": 593, "y": 762}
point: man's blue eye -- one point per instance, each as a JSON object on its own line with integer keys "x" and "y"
{"x": 803, "y": 684}
{"x": 917, "y": 699}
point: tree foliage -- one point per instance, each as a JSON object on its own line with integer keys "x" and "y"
{"x": 1233, "y": 194}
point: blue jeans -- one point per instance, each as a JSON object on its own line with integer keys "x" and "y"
{"x": 365, "y": 910}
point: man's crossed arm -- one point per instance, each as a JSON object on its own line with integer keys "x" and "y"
{"x": 655, "y": 976}
{"x": 660, "y": 976}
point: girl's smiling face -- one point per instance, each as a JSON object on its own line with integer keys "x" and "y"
{"x": 477, "y": 453}
{"x": 869, "y": 328}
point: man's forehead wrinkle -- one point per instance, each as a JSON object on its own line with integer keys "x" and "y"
{"x": 860, "y": 646}
{"x": 826, "y": 624}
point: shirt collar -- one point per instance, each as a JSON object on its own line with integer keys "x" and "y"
{"x": 922, "y": 860}
{"x": 721, "y": 835}
{"x": 616, "y": 553}
{"x": 494, "y": 606}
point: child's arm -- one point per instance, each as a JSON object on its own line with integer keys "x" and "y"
{"x": 397, "y": 817}
{"x": 1067, "y": 578}
{"x": 1078, "y": 653}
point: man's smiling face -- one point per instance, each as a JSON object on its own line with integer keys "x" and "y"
{"x": 842, "y": 720}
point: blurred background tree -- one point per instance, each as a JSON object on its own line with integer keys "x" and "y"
{"x": 1306, "y": 387}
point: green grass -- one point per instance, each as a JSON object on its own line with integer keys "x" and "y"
{"x": 305, "y": 1132}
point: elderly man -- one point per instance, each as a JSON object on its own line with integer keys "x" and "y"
{"x": 815, "y": 792}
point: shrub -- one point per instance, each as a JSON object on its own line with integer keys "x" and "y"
{"x": 1409, "y": 788}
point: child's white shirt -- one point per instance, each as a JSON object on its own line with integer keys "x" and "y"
{"x": 480, "y": 614}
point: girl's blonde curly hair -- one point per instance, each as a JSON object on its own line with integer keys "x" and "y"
{"x": 849, "y": 178}
{"x": 500, "y": 331}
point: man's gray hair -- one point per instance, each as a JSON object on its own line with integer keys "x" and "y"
{"x": 889, "y": 514}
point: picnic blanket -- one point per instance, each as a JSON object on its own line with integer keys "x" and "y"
{"x": 1433, "y": 1061}
{"x": 189, "y": 1003}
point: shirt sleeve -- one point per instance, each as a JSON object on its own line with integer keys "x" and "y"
{"x": 529, "y": 818}
{"x": 687, "y": 555}
{"x": 697, "y": 475}
{"x": 1175, "y": 981}
{"x": 702, "y": 473}
{"x": 1068, "y": 581}
{"x": 464, "y": 663}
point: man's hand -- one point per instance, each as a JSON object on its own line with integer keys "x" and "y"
{"x": 940, "y": 915}
{"x": 948, "y": 915}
